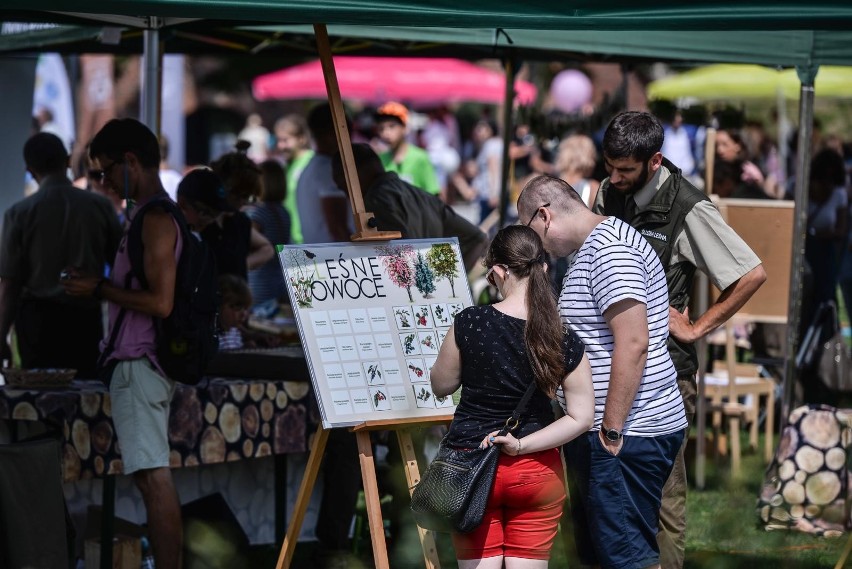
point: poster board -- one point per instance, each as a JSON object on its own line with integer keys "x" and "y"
{"x": 371, "y": 327}
{"x": 767, "y": 227}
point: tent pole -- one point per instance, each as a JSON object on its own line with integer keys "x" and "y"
{"x": 152, "y": 76}
{"x": 783, "y": 141}
{"x": 702, "y": 300}
{"x": 803, "y": 166}
{"x": 508, "y": 101}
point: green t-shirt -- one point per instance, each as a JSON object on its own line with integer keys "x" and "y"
{"x": 294, "y": 170}
{"x": 415, "y": 168}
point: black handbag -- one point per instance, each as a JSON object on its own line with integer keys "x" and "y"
{"x": 454, "y": 490}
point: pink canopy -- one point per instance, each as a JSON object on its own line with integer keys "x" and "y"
{"x": 408, "y": 80}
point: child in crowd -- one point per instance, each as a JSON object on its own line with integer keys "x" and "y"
{"x": 234, "y": 303}
{"x": 235, "y": 300}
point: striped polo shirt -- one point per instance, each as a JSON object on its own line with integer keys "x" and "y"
{"x": 616, "y": 263}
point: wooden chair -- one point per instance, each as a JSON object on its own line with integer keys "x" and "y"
{"x": 724, "y": 397}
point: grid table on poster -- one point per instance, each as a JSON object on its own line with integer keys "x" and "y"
{"x": 369, "y": 342}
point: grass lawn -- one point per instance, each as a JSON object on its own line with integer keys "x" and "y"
{"x": 723, "y": 532}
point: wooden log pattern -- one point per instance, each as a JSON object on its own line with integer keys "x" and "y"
{"x": 807, "y": 485}
{"x": 224, "y": 419}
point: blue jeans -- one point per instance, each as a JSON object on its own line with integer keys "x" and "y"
{"x": 615, "y": 500}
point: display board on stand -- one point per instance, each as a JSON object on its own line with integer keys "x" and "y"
{"x": 371, "y": 317}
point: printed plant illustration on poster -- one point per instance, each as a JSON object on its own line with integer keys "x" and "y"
{"x": 396, "y": 258}
{"x": 424, "y": 278}
{"x": 443, "y": 261}
{"x": 374, "y": 373}
{"x": 442, "y": 315}
{"x": 409, "y": 344}
{"x": 304, "y": 277}
{"x": 423, "y": 396}
{"x": 422, "y": 316}
{"x": 380, "y": 399}
{"x": 417, "y": 371}
{"x": 455, "y": 308}
{"x": 404, "y": 319}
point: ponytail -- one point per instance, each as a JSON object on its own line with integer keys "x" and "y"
{"x": 543, "y": 331}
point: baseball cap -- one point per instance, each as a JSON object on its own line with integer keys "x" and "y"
{"x": 204, "y": 186}
{"x": 394, "y": 111}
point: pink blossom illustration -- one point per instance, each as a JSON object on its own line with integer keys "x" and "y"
{"x": 396, "y": 259}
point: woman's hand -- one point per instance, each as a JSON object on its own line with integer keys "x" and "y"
{"x": 751, "y": 173}
{"x": 510, "y": 445}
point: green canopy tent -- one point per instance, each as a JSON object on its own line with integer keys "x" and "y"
{"x": 533, "y": 15}
{"x": 800, "y": 47}
{"x": 787, "y": 33}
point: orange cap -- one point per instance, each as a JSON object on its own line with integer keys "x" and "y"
{"x": 394, "y": 110}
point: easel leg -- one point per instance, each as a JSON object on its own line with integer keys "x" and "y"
{"x": 285, "y": 557}
{"x": 412, "y": 476}
{"x": 371, "y": 495}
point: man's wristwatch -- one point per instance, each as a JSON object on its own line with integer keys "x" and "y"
{"x": 612, "y": 435}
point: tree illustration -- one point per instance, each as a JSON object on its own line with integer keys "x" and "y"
{"x": 424, "y": 279}
{"x": 444, "y": 263}
{"x": 395, "y": 259}
{"x": 302, "y": 278}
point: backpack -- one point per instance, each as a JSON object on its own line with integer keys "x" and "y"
{"x": 187, "y": 339}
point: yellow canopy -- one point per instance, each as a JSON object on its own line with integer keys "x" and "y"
{"x": 729, "y": 81}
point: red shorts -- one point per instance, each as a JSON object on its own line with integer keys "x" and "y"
{"x": 523, "y": 511}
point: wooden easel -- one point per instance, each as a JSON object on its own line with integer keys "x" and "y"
{"x": 371, "y": 491}
{"x": 365, "y": 230}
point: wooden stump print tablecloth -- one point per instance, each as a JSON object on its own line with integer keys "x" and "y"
{"x": 807, "y": 486}
{"x": 216, "y": 421}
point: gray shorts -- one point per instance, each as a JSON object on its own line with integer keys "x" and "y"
{"x": 140, "y": 399}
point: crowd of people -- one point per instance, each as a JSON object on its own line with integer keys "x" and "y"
{"x": 615, "y": 347}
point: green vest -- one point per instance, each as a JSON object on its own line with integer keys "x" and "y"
{"x": 660, "y": 223}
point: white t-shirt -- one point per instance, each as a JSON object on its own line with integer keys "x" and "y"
{"x": 616, "y": 263}
{"x": 170, "y": 180}
{"x": 315, "y": 184}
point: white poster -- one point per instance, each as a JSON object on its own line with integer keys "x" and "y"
{"x": 372, "y": 317}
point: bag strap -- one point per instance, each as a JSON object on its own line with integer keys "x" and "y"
{"x": 513, "y": 421}
{"x": 119, "y": 320}
{"x": 134, "y": 235}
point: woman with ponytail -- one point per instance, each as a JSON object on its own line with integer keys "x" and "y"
{"x": 494, "y": 352}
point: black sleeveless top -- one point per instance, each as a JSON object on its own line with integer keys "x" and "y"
{"x": 230, "y": 244}
{"x": 495, "y": 373}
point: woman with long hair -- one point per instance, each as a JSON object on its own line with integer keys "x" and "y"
{"x": 495, "y": 352}
{"x": 731, "y": 149}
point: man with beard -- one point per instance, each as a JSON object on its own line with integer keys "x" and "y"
{"x": 688, "y": 233}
